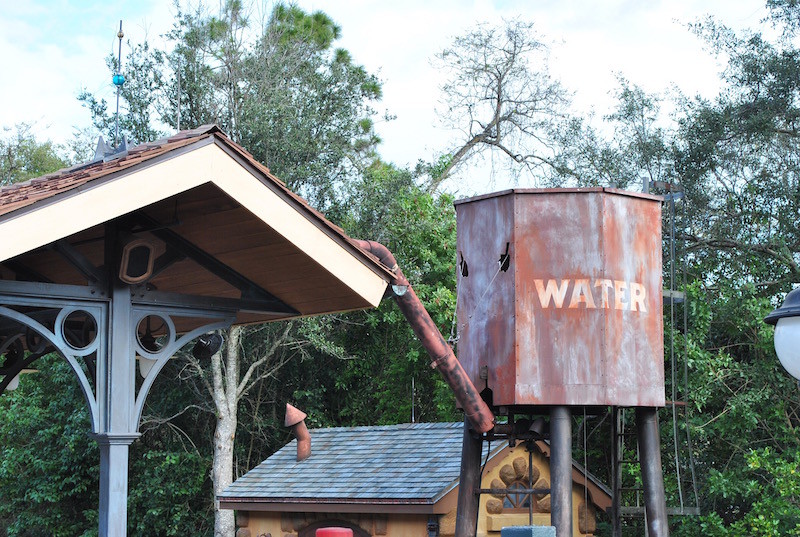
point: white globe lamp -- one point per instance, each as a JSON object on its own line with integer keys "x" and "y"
{"x": 786, "y": 320}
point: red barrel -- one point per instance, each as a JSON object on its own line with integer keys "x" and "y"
{"x": 334, "y": 532}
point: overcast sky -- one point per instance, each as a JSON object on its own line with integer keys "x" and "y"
{"x": 51, "y": 49}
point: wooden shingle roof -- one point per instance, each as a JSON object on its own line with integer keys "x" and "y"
{"x": 18, "y": 195}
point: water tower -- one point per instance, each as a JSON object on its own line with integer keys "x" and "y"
{"x": 560, "y": 312}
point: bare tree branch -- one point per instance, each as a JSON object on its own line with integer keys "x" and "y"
{"x": 500, "y": 95}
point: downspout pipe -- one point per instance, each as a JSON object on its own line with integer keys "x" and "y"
{"x": 442, "y": 357}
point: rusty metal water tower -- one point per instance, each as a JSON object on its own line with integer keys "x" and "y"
{"x": 559, "y": 312}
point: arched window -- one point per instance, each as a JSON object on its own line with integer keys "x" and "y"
{"x": 517, "y": 500}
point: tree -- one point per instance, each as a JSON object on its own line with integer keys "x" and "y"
{"x": 737, "y": 157}
{"x": 371, "y": 381}
{"x": 48, "y": 471}
{"x": 23, "y": 157}
{"x": 231, "y": 375}
{"x": 637, "y": 155}
{"x": 501, "y": 96}
{"x": 307, "y": 108}
{"x": 48, "y": 475}
{"x": 139, "y": 97}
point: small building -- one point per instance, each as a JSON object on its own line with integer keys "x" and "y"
{"x": 399, "y": 481}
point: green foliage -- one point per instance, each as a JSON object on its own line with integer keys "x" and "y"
{"x": 48, "y": 462}
{"x": 166, "y": 491}
{"x": 49, "y": 466}
{"x": 420, "y": 230}
{"x": 365, "y": 373}
{"x": 294, "y": 25}
{"x": 772, "y": 485}
{"x": 23, "y": 157}
{"x": 317, "y": 138}
{"x": 139, "y": 97}
{"x": 638, "y": 152}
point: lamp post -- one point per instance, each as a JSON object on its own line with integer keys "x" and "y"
{"x": 786, "y": 320}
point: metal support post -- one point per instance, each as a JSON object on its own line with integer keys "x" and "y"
{"x": 655, "y": 503}
{"x": 116, "y": 396}
{"x": 468, "y": 497}
{"x": 114, "y": 483}
{"x": 618, "y": 454}
{"x": 561, "y": 470}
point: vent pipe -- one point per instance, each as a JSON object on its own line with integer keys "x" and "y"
{"x": 295, "y": 419}
{"x": 442, "y": 357}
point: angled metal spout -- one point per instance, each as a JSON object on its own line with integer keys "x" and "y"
{"x": 296, "y": 420}
{"x": 442, "y": 357}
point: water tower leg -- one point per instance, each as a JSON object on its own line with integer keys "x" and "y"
{"x": 655, "y": 503}
{"x": 561, "y": 470}
{"x": 468, "y": 497}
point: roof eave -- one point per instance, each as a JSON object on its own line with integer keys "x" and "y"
{"x": 336, "y": 505}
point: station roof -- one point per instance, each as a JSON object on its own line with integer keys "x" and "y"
{"x": 221, "y": 224}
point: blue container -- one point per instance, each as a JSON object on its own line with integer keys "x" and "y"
{"x": 528, "y": 531}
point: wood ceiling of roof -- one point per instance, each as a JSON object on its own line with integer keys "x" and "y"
{"x": 302, "y": 275}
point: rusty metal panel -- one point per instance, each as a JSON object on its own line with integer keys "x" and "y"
{"x": 575, "y": 316}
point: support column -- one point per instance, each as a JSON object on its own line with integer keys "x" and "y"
{"x": 470, "y": 483}
{"x": 114, "y": 483}
{"x": 116, "y": 396}
{"x": 561, "y": 470}
{"x": 655, "y": 503}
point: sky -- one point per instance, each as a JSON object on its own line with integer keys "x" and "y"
{"x": 53, "y": 49}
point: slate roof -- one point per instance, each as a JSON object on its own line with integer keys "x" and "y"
{"x": 407, "y": 464}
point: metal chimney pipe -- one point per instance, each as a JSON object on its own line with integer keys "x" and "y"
{"x": 295, "y": 419}
{"x": 443, "y": 359}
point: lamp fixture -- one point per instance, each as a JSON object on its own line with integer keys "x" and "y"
{"x": 786, "y": 320}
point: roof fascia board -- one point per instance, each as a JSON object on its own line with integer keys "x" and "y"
{"x": 245, "y": 162}
{"x": 314, "y": 505}
{"x": 105, "y": 198}
{"x": 282, "y": 215}
{"x": 111, "y": 176}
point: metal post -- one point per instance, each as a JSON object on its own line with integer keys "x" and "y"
{"x": 655, "y": 503}
{"x": 114, "y": 483}
{"x": 470, "y": 483}
{"x": 116, "y": 395}
{"x": 618, "y": 453}
{"x": 561, "y": 470}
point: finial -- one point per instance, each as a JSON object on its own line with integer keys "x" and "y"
{"x": 118, "y": 79}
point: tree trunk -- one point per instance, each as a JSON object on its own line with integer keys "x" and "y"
{"x": 222, "y": 472}
{"x": 225, "y": 384}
